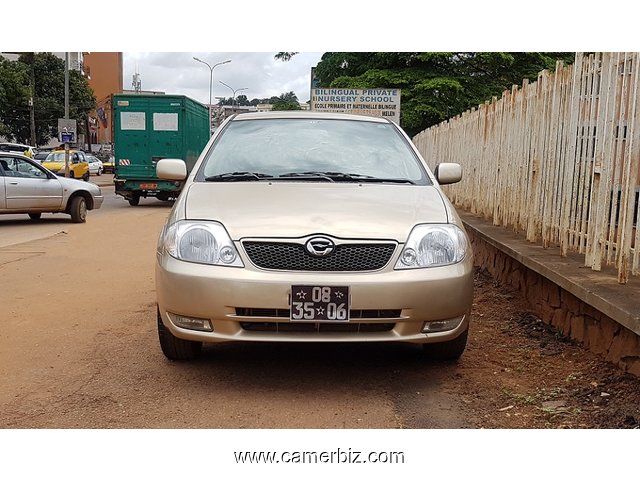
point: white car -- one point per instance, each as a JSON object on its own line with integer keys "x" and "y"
{"x": 95, "y": 165}
{"x": 28, "y": 187}
{"x": 27, "y": 150}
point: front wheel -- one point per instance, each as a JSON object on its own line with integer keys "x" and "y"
{"x": 78, "y": 210}
{"x": 99, "y": 172}
{"x": 175, "y": 348}
{"x": 85, "y": 177}
{"x": 451, "y": 350}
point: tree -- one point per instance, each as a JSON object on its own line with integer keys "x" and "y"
{"x": 48, "y": 102}
{"x": 14, "y": 94}
{"x": 435, "y": 85}
{"x": 286, "y": 101}
{"x": 284, "y": 56}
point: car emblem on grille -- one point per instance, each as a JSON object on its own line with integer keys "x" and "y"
{"x": 320, "y": 246}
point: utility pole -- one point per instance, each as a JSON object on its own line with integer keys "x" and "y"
{"x": 32, "y": 114}
{"x": 67, "y": 169}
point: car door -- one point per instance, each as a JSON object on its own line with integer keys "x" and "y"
{"x": 27, "y": 186}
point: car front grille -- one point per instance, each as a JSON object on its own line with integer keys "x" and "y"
{"x": 294, "y": 256}
{"x": 311, "y": 327}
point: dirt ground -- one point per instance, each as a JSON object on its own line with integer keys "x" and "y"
{"x": 79, "y": 349}
{"x": 522, "y": 374}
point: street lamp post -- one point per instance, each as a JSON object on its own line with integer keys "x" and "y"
{"x": 210, "y": 86}
{"x": 233, "y": 101}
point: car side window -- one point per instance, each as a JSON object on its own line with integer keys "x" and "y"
{"x": 4, "y": 167}
{"x": 22, "y": 168}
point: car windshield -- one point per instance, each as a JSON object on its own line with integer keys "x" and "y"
{"x": 312, "y": 149}
{"x": 56, "y": 157}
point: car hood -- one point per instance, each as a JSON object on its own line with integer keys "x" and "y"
{"x": 346, "y": 210}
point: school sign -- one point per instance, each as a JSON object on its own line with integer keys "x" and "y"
{"x": 376, "y": 102}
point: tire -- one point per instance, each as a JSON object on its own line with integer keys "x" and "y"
{"x": 72, "y": 174}
{"x": 175, "y": 348}
{"x": 99, "y": 172}
{"x": 85, "y": 177}
{"x": 35, "y": 216}
{"x": 134, "y": 200}
{"x": 448, "y": 351}
{"x": 78, "y": 210}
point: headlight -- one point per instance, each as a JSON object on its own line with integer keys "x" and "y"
{"x": 199, "y": 242}
{"x": 433, "y": 246}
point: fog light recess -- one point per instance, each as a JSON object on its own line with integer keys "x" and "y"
{"x": 190, "y": 323}
{"x": 442, "y": 325}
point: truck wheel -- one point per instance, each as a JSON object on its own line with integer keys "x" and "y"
{"x": 78, "y": 210}
{"x": 451, "y": 350}
{"x": 134, "y": 200}
{"x": 175, "y": 348}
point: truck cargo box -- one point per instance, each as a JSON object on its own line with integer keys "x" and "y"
{"x": 148, "y": 128}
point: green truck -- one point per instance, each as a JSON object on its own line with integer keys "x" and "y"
{"x": 148, "y": 128}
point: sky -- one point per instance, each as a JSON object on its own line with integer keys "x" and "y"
{"x": 250, "y": 33}
{"x": 258, "y": 72}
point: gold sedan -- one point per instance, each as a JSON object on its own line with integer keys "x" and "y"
{"x": 309, "y": 227}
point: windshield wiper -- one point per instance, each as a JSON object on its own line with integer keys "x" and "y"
{"x": 340, "y": 177}
{"x": 238, "y": 177}
{"x": 305, "y": 176}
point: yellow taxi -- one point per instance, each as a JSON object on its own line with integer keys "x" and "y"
{"x": 77, "y": 163}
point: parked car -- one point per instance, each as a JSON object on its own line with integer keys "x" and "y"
{"x": 306, "y": 226}
{"x": 27, "y": 187}
{"x": 26, "y": 150}
{"x": 41, "y": 156}
{"x": 95, "y": 165}
{"x": 108, "y": 164}
{"x": 79, "y": 167}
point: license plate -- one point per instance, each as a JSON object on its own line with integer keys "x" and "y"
{"x": 149, "y": 186}
{"x": 319, "y": 304}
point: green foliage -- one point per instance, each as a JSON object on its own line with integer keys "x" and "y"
{"x": 14, "y": 93}
{"x": 286, "y": 101}
{"x": 48, "y": 75}
{"x": 284, "y": 56}
{"x": 435, "y": 85}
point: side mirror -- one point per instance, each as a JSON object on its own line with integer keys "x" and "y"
{"x": 171, "y": 169}
{"x": 447, "y": 173}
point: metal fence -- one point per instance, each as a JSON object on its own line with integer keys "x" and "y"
{"x": 557, "y": 160}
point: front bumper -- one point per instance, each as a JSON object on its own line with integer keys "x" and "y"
{"x": 97, "y": 201}
{"x": 223, "y": 295}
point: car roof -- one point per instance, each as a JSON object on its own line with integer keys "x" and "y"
{"x": 15, "y": 154}
{"x": 15, "y": 145}
{"x": 306, "y": 114}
